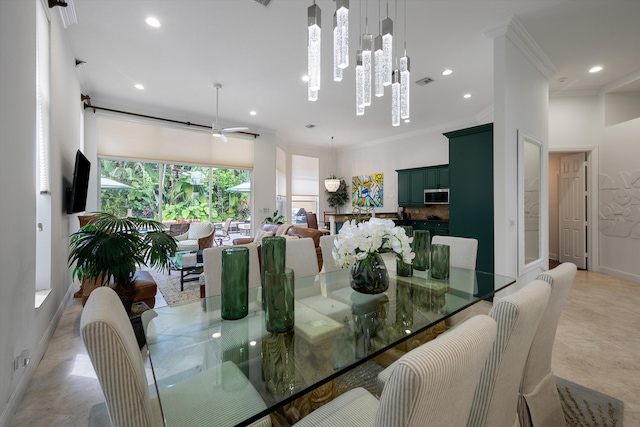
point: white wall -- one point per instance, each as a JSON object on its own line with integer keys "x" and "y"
{"x": 520, "y": 103}
{"x": 22, "y": 327}
{"x": 578, "y": 123}
{"x": 428, "y": 149}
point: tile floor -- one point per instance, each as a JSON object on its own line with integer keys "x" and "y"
{"x": 597, "y": 345}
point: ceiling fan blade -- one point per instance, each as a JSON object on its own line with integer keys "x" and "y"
{"x": 223, "y": 138}
{"x": 238, "y": 129}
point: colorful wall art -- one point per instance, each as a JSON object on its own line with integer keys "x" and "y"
{"x": 367, "y": 190}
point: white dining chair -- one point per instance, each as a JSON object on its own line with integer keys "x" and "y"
{"x": 112, "y": 348}
{"x": 495, "y": 402}
{"x": 301, "y": 257}
{"x": 432, "y": 385}
{"x": 326, "y": 245}
{"x": 539, "y": 404}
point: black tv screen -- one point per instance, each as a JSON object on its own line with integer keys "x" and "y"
{"x": 77, "y": 194}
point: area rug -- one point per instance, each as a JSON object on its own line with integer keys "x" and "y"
{"x": 169, "y": 287}
{"x": 584, "y": 407}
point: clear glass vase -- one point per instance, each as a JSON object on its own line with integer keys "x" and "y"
{"x": 235, "y": 283}
{"x": 369, "y": 275}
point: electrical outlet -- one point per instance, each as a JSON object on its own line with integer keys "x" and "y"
{"x": 21, "y": 360}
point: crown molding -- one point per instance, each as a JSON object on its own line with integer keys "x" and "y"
{"x": 513, "y": 30}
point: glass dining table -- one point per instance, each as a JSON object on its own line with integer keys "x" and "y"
{"x": 337, "y": 330}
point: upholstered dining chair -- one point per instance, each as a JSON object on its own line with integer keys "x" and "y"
{"x": 116, "y": 358}
{"x": 312, "y": 220}
{"x": 495, "y": 403}
{"x": 539, "y": 403}
{"x": 463, "y": 251}
{"x": 301, "y": 257}
{"x": 212, "y": 261}
{"x": 327, "y": 245}
{"x": 432, "y": 385}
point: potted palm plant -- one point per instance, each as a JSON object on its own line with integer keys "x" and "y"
{"x": 109, "y": 249}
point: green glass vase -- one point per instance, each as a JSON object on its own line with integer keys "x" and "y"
{"x": 235, "y": 283}
{"x": 273, "y": 255}
{"x": 278, "y": 297}
{"x": 402, "y": 268}
{"x": 421, "y": 247}
{"x": 440, "y": 261}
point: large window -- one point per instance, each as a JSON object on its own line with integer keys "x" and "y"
{"x": 166, "y": 192}
{"x": 304, "y": 187}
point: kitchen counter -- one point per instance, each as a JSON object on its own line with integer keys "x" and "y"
{"x": 337, "y": 219}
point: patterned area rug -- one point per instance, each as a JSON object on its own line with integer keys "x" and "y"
{"x": 584, "y": 407}
{"x": 169, "y": 287}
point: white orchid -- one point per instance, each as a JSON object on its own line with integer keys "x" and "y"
{"x": 357, "y": 241}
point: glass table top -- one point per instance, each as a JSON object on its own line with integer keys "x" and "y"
{"x": 336, "y": 330}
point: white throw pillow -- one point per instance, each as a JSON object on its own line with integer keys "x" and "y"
{"x": 286, "y": 236}
{"x": 282, "y": 229}
{"x": 260, "y": 235}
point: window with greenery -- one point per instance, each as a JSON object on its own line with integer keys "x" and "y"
{"x": 163, "y": 191}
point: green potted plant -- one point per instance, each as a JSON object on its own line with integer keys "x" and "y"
{"x": 276, "y": 218}
{"x": 109, "y": 249}
{"x": 338, "y": 198}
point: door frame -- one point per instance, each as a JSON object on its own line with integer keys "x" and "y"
{"x": 593, "y": 200}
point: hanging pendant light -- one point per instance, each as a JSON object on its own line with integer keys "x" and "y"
{"x": 395, "y": 99}
{"x": 387, "y": 49}
{"x": 313, "y": 50}
{"x": 337, "y": 71}
{"x": 332, "y": 183}
{"x": 405, "y": 75}
{"x": 341, "y": 34}
{"x": 367, "y": 42}
{"x": 359, "y": 84}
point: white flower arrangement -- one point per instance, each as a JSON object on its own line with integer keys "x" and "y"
{"x": 357, "y": 241}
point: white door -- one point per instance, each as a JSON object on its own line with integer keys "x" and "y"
{"x": 572, "y": 206}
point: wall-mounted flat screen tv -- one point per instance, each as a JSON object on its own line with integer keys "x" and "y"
{"x": 77, "y": 194}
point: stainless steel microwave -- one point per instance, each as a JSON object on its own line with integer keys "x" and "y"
{"x": 439, "y": 196}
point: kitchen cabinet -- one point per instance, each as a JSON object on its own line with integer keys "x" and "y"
{"x": 433, "y": 227}
{"x": 471, "y": 189}
{"x": 413, "y": 182}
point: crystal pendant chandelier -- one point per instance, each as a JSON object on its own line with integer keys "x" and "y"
{"x": 337, "y": 71}
{"x": 387, "y": 49}
{"x": 395, "y": 99}
{"x": 359, "y": 84}
{"x": 313, "y": 50}
{"x": 405, "y": 75}
{"x": 341, "y": 34}
{"x": 332, "y": 183}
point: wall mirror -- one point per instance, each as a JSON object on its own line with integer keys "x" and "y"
{"x": 529, "y": 201}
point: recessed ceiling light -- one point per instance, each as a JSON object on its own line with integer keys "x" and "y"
{"x": 595, "y": 69}
{"x": 253, "y": 113}
{"x": 309, "y": 126}
{"x": 407, "y": 120}
{"x": 139, "y": 86}
{"x": 447, "y": 72}
{"x": 305, "y": 78}
{"x": 467, "y": 95}
{"x": 153, "y": 22}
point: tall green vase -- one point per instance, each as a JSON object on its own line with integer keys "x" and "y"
{"x": 422, "y": 248}
{"x": 235, "y": 283}
{"x": 440, "y": 261}
{"x": 273, "y": 255}
{"x": 278, "y": 297}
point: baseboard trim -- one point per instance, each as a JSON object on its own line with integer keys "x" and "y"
{"x": 553, "y": 257}
{"x": 619, "y": 274}
{"x": 25, "y": 380}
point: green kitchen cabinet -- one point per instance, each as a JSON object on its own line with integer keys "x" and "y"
{"x": 413, "y": 182}
{"x": 471, "y": 189}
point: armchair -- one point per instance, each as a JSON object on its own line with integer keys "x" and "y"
{"x": 198, "y": 237}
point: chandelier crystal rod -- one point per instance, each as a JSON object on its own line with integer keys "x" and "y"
{"x": 314, "y": 36}
{"x": 405, "y": 74}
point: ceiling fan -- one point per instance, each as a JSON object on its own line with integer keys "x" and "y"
{"x": 218, "y": 131}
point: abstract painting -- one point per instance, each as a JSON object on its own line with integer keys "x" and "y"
{"x": 367, "y": 190}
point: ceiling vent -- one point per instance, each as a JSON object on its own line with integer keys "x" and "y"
{"x": 263, "y": 2}
{"x": 424, "y": 81}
